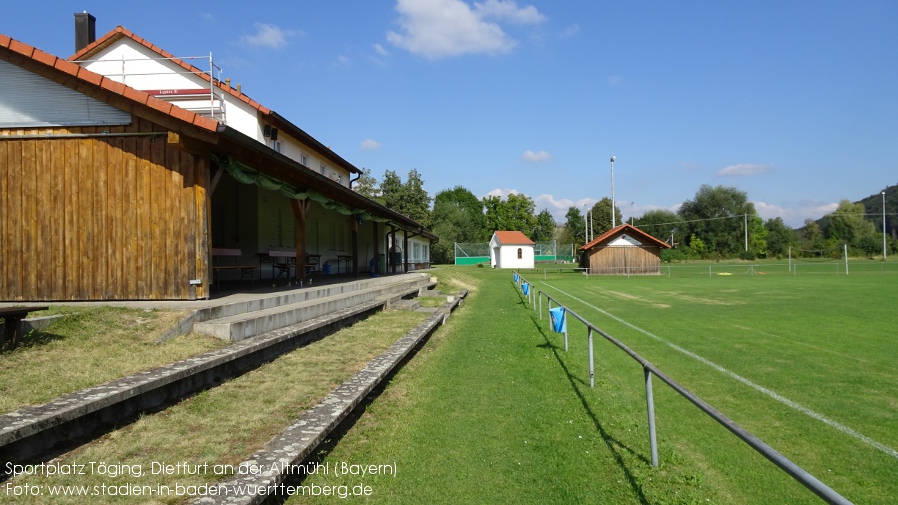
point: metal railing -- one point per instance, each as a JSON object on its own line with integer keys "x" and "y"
{"x": 213, "y": 75}
{"x": 795, "y": 471}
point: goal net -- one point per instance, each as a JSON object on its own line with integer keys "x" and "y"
{"x": 828, "y": 260}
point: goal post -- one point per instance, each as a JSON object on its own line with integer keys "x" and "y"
{"x": 835, "y": 255}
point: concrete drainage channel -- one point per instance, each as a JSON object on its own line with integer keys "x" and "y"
{"x": 31, "y": 433}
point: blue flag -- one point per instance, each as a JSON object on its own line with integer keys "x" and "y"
{"x": 516, "y": 277}
{"x": 556, "y": 315}
{"x": 526, "y": 287}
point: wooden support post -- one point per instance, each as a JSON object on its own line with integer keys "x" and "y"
{"x": 392, "y": 260}
{"x": 376, "y": 248}
{"x": 300, "y": 210}
{"x": 405, "y": 251}
{"x": 354, "y": 233}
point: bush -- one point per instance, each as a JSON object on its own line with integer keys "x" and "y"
{"x": 670, "y": 255}
{"x": 748, "y": 255}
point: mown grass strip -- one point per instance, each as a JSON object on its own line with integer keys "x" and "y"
{"x": 90, "y": 346}
{"x": 820, "y": 341}
{"x": 493, "y": 411}
{"x": 223, "y": 425}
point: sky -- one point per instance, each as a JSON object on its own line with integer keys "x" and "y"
{"x": 793, "y": 102}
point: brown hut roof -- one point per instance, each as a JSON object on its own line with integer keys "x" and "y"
{"x": 624, "y": 228}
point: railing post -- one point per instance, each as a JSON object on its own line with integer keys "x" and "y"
{"x": 592, "y": 372}
{"x": 565, "y": 332}
{"x": 650, "y": 402}
{"x": 539, "y": 296}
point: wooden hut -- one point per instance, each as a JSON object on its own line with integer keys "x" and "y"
{"x": 110, "y": 192}
{"x": 625, "y": 250}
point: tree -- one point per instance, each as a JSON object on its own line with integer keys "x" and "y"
{"x": 600, "y": 217}
{"x": 515, "y": 213}
{"x": 544, "y": 229}
{"x": 409, "y": 198}
{"x": 757, "y": 244}
{"x": 457, "y": 217}
{"x": 661, "y": 224}
{"x": 390, "y": 190}
{"x": 697, "y": 246}
{"x": 366, "y": 185}
{"x": 779, "y": 236}
{"x": 573, "y": 227}
{"x": 849, "y": 225}
{"x": 811, "y": 236}
{"x": 716, "y": 216}
{"x": 417, "y": 201}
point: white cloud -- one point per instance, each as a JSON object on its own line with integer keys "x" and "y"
{"x": 509, "y": 10}
{"x": 536, "y": 157}
{"x": 795, "y": 215}
{"x": 379, "y": 49}
{"x": 614, "y": 80}
{"x": 744, "y": 169}
{"x": 342, "y": 61}
{"x": 440, "y": 28}
{"x": 268, "y": 36}
{"x": 502, "y": 193}
{"x": 558, "y": 208}
{"x": 370, "y": 145}
{"x": 571, "y": 31}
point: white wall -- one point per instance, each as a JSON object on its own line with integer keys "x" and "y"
{"x": 131, "y": 63}
{"x": 508, "y": 256}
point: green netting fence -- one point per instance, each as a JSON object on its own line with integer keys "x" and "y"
{"x": 472, "y": 253}
{"x": 479, "y": 252}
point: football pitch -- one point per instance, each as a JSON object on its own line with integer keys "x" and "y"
{"x": 805, "y": 360}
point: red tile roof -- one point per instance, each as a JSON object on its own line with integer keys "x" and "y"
{"x": 512, "y": 238}
{"x": 271, "y": 116}
{"x": 624, "y": 228}
{"x": 58, "y": 65}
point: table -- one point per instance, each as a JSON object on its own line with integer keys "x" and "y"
{"x": 282, "y": 266}
{"x": 12, "y": 317}
{"x": 344, "y": 259}
{"x": 313, "y": 262}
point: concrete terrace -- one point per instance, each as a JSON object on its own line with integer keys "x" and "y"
{"x": 262, "y": 324}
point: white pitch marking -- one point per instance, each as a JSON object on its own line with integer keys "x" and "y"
{"x": 776, "y": 396}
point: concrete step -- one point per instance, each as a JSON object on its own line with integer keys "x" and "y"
{"x": 271, "y": 313}
{"x": 410, "y": 305}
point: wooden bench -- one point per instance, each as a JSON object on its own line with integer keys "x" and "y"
{"x": 220, "y": 262}
{"x": 12, "y": 317}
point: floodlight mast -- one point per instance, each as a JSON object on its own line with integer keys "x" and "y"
{"x": 613, "y": 219}
{"x": 883, "y": 225}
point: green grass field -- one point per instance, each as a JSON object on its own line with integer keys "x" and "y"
{"x": 494, "y": 410}
{"x": 805, "y": 362}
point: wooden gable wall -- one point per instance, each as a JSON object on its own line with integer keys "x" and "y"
{"x": 624, "y": 260}
{"x": 113, "y": 218}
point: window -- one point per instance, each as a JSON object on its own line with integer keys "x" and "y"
{"x": 277, "y": 146}
{"x": 304, "y": 159}
{"x": 323, "y": 169}
{"x": 520, "y": 253}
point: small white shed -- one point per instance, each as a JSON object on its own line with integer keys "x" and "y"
{"x": 511, "y": 249}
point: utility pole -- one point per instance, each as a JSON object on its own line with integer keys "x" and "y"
{"x": 613, "y": 218}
